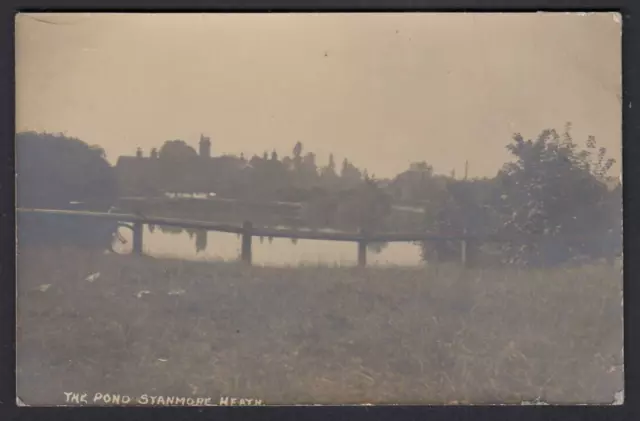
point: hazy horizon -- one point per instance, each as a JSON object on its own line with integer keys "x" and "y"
{"x": 383, "y": 90}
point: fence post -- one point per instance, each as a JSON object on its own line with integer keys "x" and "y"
{"x": 362, "y": 250}
{"x": 137, "y": 237}
{"x": 246, "y": 242}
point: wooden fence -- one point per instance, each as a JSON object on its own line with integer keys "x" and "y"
{"x": 248, "y": 231}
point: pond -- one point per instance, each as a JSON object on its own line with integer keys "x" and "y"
{"x": 201, "y": 245}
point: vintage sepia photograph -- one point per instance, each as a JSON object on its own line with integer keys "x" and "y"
{"x": 318, "y": 208}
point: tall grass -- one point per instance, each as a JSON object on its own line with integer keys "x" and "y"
{"x": 316, "y": 334}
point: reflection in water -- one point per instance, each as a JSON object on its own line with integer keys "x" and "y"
{"x": 164, "y": 241}
{"x": 171, "y": 229}
{"x": 376, "y": 247}
{"x": 274, "y": 252}
{"x": 201, "y": 241}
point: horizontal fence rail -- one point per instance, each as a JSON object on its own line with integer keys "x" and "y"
{"x": 247, "y": 230}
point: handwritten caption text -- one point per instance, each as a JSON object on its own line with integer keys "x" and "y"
{"x": 156, "y": 400}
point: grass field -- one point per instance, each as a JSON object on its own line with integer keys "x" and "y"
{"x": 315, "y": 335}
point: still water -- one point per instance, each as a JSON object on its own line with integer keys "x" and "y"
{"x": 275, "y": 252}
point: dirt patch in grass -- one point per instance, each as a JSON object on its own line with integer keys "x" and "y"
{"x": 315, "y": 335}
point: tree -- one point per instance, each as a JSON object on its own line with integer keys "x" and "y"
{"x": 177, "y": 151}
{"x": 177, "y": 160}
{"x": 331, "y": 166}
{"x": 454, "y": 207}
{"x": 365, "y": 207}
{"x": 54, "y": 170}
{"x": 297, "y": 156}
{"x": 415, "y": 184}
{"x": 309, "y": 161}
{"x": 328, "y": 175}
{"x": 421, "y": 167}
{"x": 557, "y": 204}
{"x": 297, "y": 150}
{"x": 350, "y": 175}
{"x": 287, "y": 162}
{"x": 59, "y": 172}
{"x": 309, "y": 170}
{"x": 320, "y": 208}
{"x": 551, "y": 202}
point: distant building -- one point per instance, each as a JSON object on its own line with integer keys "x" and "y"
{"x": 143, "y": 176}
{"x": 136, "y": 174}
{"x": 205, "y": 146}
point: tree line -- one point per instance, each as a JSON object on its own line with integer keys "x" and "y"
{"x": 176, "y": 167}
{"x": 554, "y": 199}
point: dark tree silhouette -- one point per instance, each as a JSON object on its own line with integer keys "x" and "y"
{"x": 59, "y": 172}
{"x": 297, "y": 158}
{"x": 54, "y": 170}
{"x": 307, "y": 176}
{"x": 287, "y": 162}
{"x": 176, "y": 167}
{"x": 177, "y": 151}
{"x": 331, "y": 166}
{"x": 329, "y": 178}
{"x": 297, "y": 150}
{"x": 350, "y": 176}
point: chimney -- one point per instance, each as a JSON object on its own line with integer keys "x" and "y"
{"x": 205, "y": 146}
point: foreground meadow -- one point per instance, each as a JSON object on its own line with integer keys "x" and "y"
{"x": 315, "y": 334}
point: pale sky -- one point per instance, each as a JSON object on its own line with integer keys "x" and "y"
{"x": 381, "y": 89}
